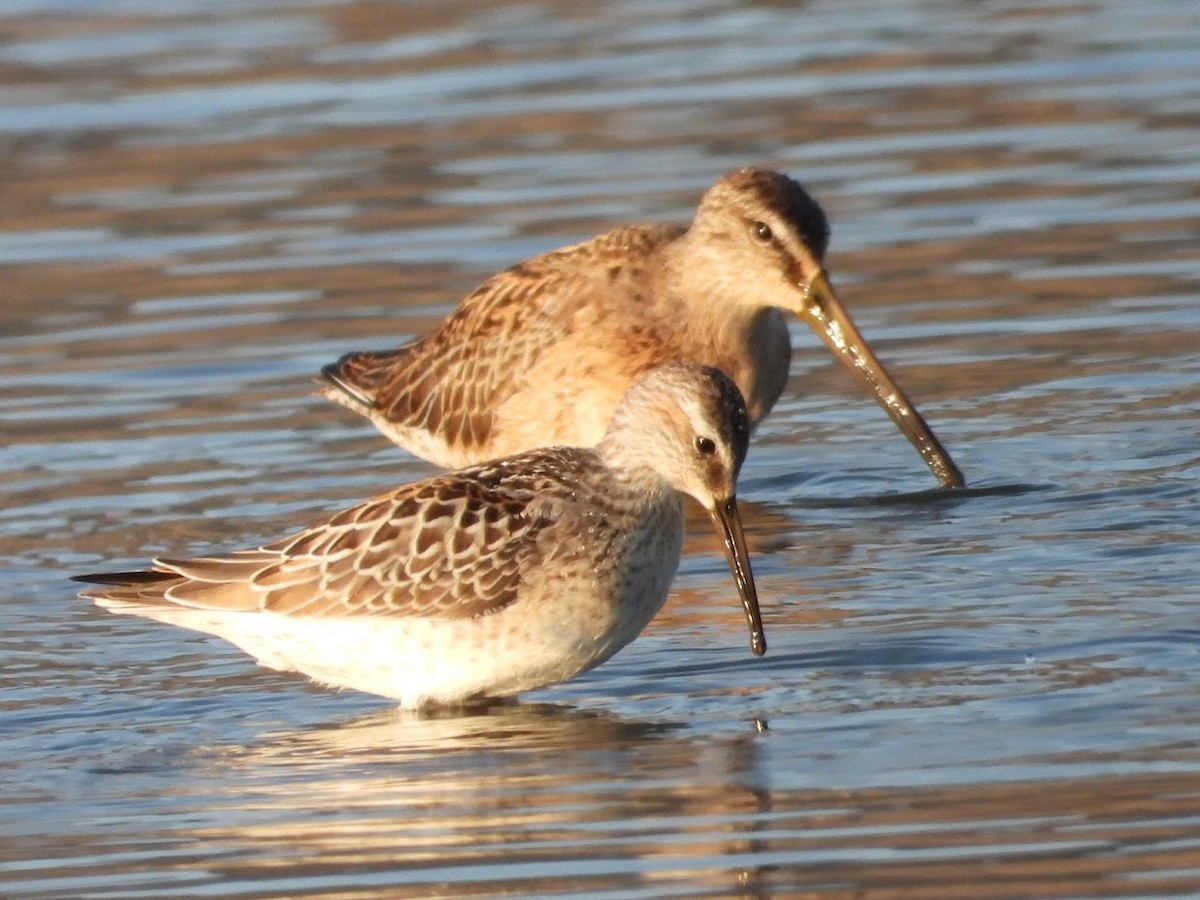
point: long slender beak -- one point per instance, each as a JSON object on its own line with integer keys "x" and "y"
{"x": 728, "y": 520}
{"x": 825, "y": 314}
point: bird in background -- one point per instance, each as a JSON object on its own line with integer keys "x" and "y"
{"x": 541, "y": 353}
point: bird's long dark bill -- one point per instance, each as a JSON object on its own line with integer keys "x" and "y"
{"x": 824, "y": 313}
{"x": 726, "y": 517}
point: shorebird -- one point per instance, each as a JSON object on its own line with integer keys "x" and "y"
{"x": 541, "y": 353}
{"x": 488, "y": 581}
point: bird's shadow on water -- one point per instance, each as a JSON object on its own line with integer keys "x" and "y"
{"x": 771, "y": 524}
{"x": 929, "y": 497}
{"x": 925, "y": 651}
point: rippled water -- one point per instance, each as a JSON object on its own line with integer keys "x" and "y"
{"x": 994, "y": 693}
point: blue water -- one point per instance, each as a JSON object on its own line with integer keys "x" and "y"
{"x": 991, "y": 693}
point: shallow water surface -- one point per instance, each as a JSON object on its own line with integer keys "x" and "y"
{"x": 986, "y": 693}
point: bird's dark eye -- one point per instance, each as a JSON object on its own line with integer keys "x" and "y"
{"x": 762, "y": 231}
{"x": 705, "y": 446}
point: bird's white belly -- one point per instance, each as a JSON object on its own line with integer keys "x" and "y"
{"x": 563, "y": 628}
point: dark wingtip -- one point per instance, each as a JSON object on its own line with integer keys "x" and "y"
{"x": 331, "y": 376}
{"x": 331, "y": 373}
{"x": 122, "y": 578}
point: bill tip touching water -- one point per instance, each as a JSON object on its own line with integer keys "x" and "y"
{"x": 542, "y": 352}
{"x": 485, "y": 582}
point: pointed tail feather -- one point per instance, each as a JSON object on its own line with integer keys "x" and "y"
{"x": 121, "y": 588}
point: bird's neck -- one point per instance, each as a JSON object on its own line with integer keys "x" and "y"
{"x": 624, "y": 450}
{"x": 725, "y": 316}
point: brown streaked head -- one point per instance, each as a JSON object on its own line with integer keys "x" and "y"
{"x": 766, "y": 238}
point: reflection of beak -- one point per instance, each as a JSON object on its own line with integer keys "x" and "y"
{"x": 821, "y": 309}
{"x": 725, "y": 516}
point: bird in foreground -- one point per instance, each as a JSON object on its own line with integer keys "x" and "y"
{"x": 488, "y": 581}
{"x": 541, "y": 353}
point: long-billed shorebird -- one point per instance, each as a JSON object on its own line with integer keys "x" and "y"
{"x": 488, "y": 581}
{"x": 541, "y": 353}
